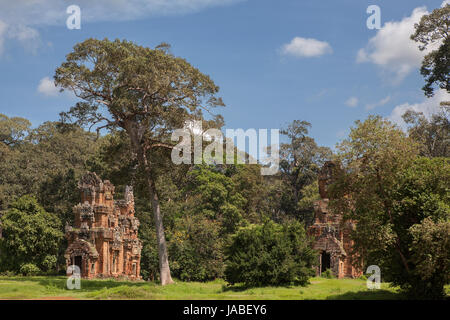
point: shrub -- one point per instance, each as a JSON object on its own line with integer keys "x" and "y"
{"x": 29, "y": 269}
{"x": 270, "y": 254}
{"x": 196, "y": 249}
{"x": 328, "y": 274}
{"x": 30, "y": 236}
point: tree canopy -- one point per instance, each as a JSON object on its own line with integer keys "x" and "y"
{"x": 145, "y": 92}
{"x": 432, "y": 30}
{"x": 398, "y": 201}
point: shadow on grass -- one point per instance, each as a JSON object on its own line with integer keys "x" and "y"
{"x": 60, "y": 282}
{"x": 92, "y": 284}
{"x": 242, "y": 287}
{"x": 235, "y": 288}
{"x": 368, "y": 295}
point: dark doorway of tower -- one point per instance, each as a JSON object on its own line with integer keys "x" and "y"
{"x": 325, "y": 261}
{"x": 78, "y": 262}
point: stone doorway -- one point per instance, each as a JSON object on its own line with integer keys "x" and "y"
{"x": 78, "y": 261}
{"x": 325, "y": 261}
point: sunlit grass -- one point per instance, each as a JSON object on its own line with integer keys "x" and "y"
{"x": 319, "y": 288}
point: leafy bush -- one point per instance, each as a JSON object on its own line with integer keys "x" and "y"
{"x": 328, "y": 274}
{"x": 431, "y": 255}
{"x": 196, "y": 249}
{"x": 30, "y": 236}
{"x": 270, "y": 254}
{"x": 29, "y": 269}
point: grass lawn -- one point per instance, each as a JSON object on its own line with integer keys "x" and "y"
{"x": 319, "y": 288}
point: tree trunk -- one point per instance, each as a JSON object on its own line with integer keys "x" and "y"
{"x": 136, "y": 143}
{"x": 164, "y": 269}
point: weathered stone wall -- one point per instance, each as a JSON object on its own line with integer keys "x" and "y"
{"x": 104, "y": 241}
{"x": 332, "y": 235}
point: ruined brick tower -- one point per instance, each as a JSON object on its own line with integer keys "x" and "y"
{"x": 103, "y": 241}
{"x": 332, "y": 234}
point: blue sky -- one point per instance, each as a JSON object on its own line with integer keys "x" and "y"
{"x": 275, "y": 61}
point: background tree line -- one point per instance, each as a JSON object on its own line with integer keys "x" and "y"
{"x": 211, "y": 221}
{"x": 203, "y": 205}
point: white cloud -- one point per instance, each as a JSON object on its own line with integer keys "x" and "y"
{"x": 19, "y": 19}
{"x": 352, "y": 102}
{"x": 23, "y": 33}
{"x": 28, "y": 37}
{"x": 428, "y": 106}
{"x": 47, "y": 87}
{"x": 446, "y": 2}
{"x": 51, "y": 12}
{"x": 380, "y": 103}
{"x": 304, "y": 47}
{"x": 392, "y": 49}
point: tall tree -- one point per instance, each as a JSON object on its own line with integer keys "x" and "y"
{"x": 400, "y": 203}
{"x": 433, "y": 29}
{"x": 371, "y": 157}
{"x": 146, "y": 92}
{"x": 433, "y": 134}
{"x": 13, "y": 130}
{"x": 301, "y": 160}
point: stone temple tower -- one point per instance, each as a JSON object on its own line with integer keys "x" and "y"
{"x": 332, "y": 234}
{"x": 103, "y": 242}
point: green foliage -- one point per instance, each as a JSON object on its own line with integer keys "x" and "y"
{"x": 270, "y": 254}
{"x": 149, "y": 253}
{"x": 433, "y": 29}
{"x": 430, "y": 253}
{"x": 328, "y": 274}
{"x": 433, "y": 135}
{"x": 300, "y": 162}
{"x": 196, "y": 249}
{"x": 29, "y": 269}
{"x": 59, "y": 193}
{"x": 13, "y": 130}
{"x": 46, "y": 163}
{"x": 128, "y": 78}
{"x": 214, "y": 196}
{"x": 254, "y": 189}
{"x": 399, "y": 202}
{"x": 309, "y": 195}
{"x": 30, "y": 235}
{"x": 421, "y": 218}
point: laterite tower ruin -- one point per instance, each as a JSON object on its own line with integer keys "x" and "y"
{"x": 332, "y": 234}
{"x": 103, "y": 241}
